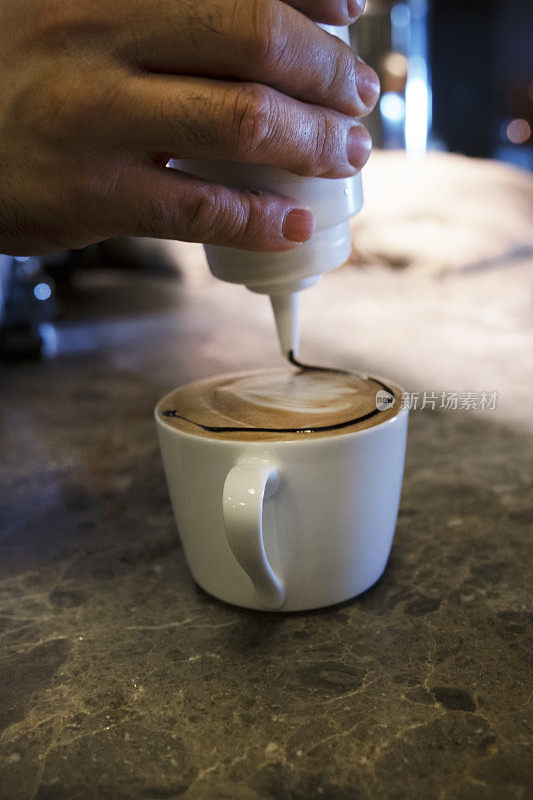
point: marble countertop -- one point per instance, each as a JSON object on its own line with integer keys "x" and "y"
{"x": 121, "y": 679}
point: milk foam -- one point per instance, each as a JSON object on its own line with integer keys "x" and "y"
{"x": 300, "y": 393}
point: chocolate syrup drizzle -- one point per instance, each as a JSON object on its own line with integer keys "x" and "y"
{"x": 315, "y": 429}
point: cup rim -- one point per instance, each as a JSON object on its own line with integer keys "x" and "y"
{"x": 317, "y": 437}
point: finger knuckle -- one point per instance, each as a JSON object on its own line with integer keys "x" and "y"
{"x": 241, "y": 221}
{"x": 267, "y": 39}
{"x": 254, "y": 118}
{"x": 342, "y": 75}
{"x": 326, "y": 144}
{"x": 200, "y": 217}
{"x": 211, "y": 218}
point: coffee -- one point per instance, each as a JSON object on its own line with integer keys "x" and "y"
{"x": 280, "y": 404}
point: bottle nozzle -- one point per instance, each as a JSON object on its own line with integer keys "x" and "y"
{"x": 286, "y": 307}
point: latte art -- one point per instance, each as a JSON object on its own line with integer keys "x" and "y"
{"x": 276, "y": 404}
{"x": 298, "y": 393}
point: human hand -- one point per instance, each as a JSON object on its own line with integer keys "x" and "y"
{"x": 96, "y": 96}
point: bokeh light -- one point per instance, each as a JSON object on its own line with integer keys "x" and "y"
{"x": 42, "y": 291}
{"x": 392, "y": 106}
{"x": 518, "y": 131}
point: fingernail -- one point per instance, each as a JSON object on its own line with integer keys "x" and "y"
{"x": 298, "y": 225}
{"x": 358, "y": 145}
{"x": 355, "y": 8}
{"x": 367, "y": 83}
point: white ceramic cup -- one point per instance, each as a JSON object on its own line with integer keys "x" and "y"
{"x": 286, "y": 525}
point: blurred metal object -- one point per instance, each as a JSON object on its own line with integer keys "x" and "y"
{"x": 35, "y": 290}
{"x": 27, "y": 299}
{"x": 393, "y": 37}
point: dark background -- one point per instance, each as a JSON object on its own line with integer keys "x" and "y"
{"x": 482, "y": 72}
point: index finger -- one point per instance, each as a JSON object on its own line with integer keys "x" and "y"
{"x": 263, "y": 41}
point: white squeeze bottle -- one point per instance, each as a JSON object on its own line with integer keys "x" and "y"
{"x": 283, "y": 275}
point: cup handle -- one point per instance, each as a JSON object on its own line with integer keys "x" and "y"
{"x": 247, "y": 485}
